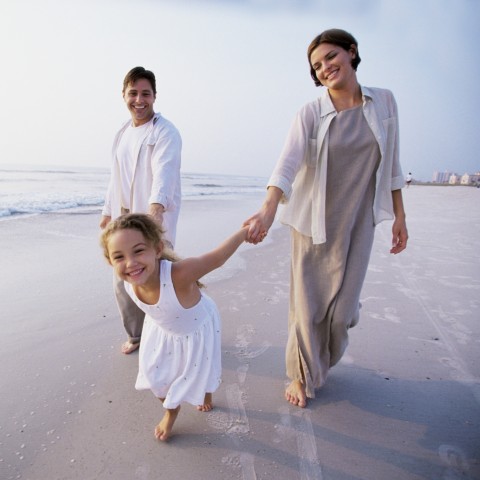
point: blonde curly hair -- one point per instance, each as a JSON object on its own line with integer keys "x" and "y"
{"x": 147, "y": 226}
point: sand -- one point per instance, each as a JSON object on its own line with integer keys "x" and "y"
{"x": 403, "y": 403}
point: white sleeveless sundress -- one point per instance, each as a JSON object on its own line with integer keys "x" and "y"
{"x": 180, "y": 349}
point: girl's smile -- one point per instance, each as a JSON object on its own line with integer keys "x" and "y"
{"x": 133, "y": 258}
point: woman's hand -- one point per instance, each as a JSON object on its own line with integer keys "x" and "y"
{"x": 399, "y": 228}
{"x": 258, "y": 226}
{"x": 260, "y": 223}
{"x": 400, "y": 236}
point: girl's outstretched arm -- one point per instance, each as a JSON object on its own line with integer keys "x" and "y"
{"x": 189, "y": 270}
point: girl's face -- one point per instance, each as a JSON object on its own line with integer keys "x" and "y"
{"x": 333, "y": 65}
{"x": 134, "y": 259}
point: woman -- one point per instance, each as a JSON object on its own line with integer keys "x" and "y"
{"x": 339, "y": 175}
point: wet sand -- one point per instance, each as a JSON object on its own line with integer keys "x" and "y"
{"x": 404, "y": 403}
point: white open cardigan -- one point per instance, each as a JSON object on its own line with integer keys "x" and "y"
{"x": 301, "y": 171}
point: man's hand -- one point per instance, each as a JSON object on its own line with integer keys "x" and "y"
{"x": 156, "y": 211}
{"x": 105, "y": 221}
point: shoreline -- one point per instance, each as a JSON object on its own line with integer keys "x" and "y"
{"x": 86, "y": 209}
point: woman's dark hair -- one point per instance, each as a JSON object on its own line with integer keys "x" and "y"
{"x": 338, "y": 37}
{"x": 137, "y": 73}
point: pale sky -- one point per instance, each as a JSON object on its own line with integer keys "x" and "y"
{"x": 231, "y": 75}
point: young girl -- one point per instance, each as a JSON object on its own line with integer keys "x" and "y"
{"x": 180, "y": 355}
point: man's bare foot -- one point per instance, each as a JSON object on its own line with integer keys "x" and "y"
{"x": 207, "y": 403}
{"x": 164, "y": 428}
{"x": 295, "y": 394}
{"x": 129, "y": 347}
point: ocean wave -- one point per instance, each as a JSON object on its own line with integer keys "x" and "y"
{"x": 73, "y": 171}
{"x": 42, "y": 190}
{"x": 45, "y": 207}
{"x": 225, "y": 193}
{"x": 207, "y": 185}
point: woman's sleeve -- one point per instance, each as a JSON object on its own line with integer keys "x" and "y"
{"x": 294, "y": 151}
{"x": 398, "y": 180}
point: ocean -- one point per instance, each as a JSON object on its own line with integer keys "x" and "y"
{"x": 38, "y": 190}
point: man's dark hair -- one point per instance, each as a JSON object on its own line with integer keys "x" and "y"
{"x": 137, "y": 73}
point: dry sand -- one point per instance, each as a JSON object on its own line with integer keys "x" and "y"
{"x": 403, "y": 404}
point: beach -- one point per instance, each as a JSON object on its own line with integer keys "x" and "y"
{"x": 403, "y": 403}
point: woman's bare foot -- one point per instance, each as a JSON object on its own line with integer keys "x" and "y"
{"x": 207, "y": 403}
{"x": 129, "y": 347}
{"x": 295, "y": 394}
{"x": 164, "y": 428}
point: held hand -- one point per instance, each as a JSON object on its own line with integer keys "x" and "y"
{"x": 400, "y": 236}
{"x": 260, "y": 223}
{"x": 105, "y": 220}
{"x": 258, "y": 226}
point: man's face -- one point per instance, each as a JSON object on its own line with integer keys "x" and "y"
{"x": 139, "y": 98}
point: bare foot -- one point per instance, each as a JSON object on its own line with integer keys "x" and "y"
{"x": 295, "y": 394}
{"x": 164, "y": 428}
{"x": 207, "y": 403}
{"x": 129, "y": 347}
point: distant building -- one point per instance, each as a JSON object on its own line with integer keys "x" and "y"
{"x": 454, "y": 179}
{"x": 470, "y": 179}
{"x": 465, "y": 180}
{"x": 441, "y": 177}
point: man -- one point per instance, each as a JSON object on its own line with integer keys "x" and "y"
{"x": 408, "y": 179}
{"x": 145, "y": 178}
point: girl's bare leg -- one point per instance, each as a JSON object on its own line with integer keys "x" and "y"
{"x": 207, "y": 403}
{"x": 164, "y": 428}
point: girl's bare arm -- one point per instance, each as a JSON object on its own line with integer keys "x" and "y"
{"x": 189, "y": 270}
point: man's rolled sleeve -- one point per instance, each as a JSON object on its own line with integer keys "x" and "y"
{"x": 165, "y": 163}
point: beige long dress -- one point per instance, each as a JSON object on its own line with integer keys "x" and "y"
{"x": 326, "y": 279}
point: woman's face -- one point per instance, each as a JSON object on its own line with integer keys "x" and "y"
{"x": 333, "y": 65}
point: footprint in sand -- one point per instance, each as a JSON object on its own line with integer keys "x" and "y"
{"x": 389, "y": 315}
{"x": 456, "y": 461}
{"x": 243, "y": 343}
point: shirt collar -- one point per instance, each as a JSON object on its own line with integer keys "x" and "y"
{"x": 326, "y": 105}
{"x": 366, "y": 94}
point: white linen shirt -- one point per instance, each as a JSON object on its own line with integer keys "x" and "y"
{"x": 156, "y": 174}
{"x": 301, "y": 171}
